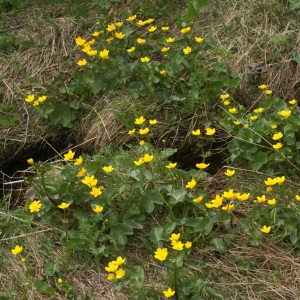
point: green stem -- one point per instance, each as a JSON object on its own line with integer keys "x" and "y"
{"x": 175, "y": 282}
{"x": 45, "y": 190}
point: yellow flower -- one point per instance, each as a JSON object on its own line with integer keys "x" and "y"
{"x": 229, "y": 172}
{"x": 177, "y": 245}
{"x": 119, "y": 35}
{"x": 104, "y": 54}
{"x": 297, "y": 197}
{"x": 110, "y": 276}
{"x": 217, "y": 202}
{"x": 141, "y": 142}
{"x": 272, "y": 201}
{"x": 64, "y": 205}
{"x": 174, "y": 237}
{"x": 226, "y": 102}
{"x": 131, "y": 49}
{"x": 131, "y": 18}
{"x": 92, "y": 53}
{"x": 119, "y": 24}
{"x": 187, "y": 50}
{"x": 188, "y": 244}
{"x": 141, "y": 23}
{"x": 185, "y": 30}
{"x": 30, "y": 161}
{"x": 81, "y": 172}
{"x": 149, "y": 21}
{"x": 78, "y": 161}
{"x": 269, "y": 189}
{"x": 96, "y": 33}
{"x": 161, "y": 254}
{"x": 90, "y": 43}
{"x": 81, "y": 63}
{"x": 120, "y": 260}
{"x": 42, "y": 98}
{"x": 228, "y": 207}
{"x": 196, "y": 132}
{"x": 284, "y": 113}
{"x": 210, "y": 131}
{"x": 265, "y": 229}
{"x": 165, "y": 49}
{"x": 209, "y": 205}
{"x": 35, "y": 206}
{"x": 277, "y": 146}
{"x": 191, "y": 184}
{"x": 107, "y": 169}
{"x": 86, "y": 48}
{"x": 36, "y": 103}
{"x": 139, "y": 162}
{"x": 112, "y": 266}
{"x": 109, "y": 39}
{"x": 170, "y": 40}
{"x": 141, "y": 41}
{"x": 165, "y": 28}
{"x": 163, "y": 72}
{"x": 229, "y": 194}
{"x": 111, "y": 27}
{"x": 268, "y": 92}
{"x": 29, "y": 98}
{"x": 98, "y": 209}
{"x": 232, "y": 110}
{"x": 277, "y": 136}
{"x": 202, "y": 166}
{"x": 147, "y": 157}
{"x": 144, "y": 131}
{"x": 90, "y": 181}
{"x": 262, "y": 87}
{"x": 198, "y": 199}
{"x": 261, "y": 199}
{"x": 145, "y": 59}
{"x": 140, "y": 120}
{"x": 120, "y": 273}
{"x": 131, "y": 131}
{"x": 171, "y": 165}
{"x": 79, "y": 41}
{"x": 293, "y": 102}
{"x": 152, "y": 28}
{"x": 243, "y": 197}
{"x": 280, "y": 180}
{"x": 169, "y": 293}
{"x": 224, "y": 96}
{"x": 199, "y": 39}
{"x": 69, "y": 155}
{"x": 17, "y": 250}
{"x": 237, "y": 122}
{"x": 253, "y": 118}
{"x": 153, "y": 122}
{"x": 95, "y": 191}
{"x": 258, "y": 110}
{"x": 246, "y": 126}
{"x": 274, "y": 126}
{"x": 59, "y": 281}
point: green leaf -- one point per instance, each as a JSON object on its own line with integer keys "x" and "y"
{"x": 259, "y": 160}
{"x": 190, "y": 14}
{"x": 200, "y": 5}
{"x": 51, "y": 269}
{"x": 214, "y": 295}
{"x": 156, "y": 235}
{"x": 220, "y": 67}
{"x": 295, "y": 5}
{"x": 178, "y": 196}
{"x": 167, "y": 153}
{"x": 137, "y": 276}
{"x": 255, "y": 238}
{"x": 294, "y": 236}
{"x": 219, "y": 245}
{"x": 97, "y": 86}
{"x": 43, "y": 287}
{"x": 62, "y": 115}
{"x": 151, "y": 197}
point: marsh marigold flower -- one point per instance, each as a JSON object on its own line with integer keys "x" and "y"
{"x": 152, "y": 28}
{"x": 237, "y": 122}
{"x": 272, "y": 201}
{"x": 149, "y": 21}
{"x": 268, "y": 92}
{"x": 131, "y": 49}
{"x": 96, "y": 33}
{"x": 112, "y": 266}
{"x": 229, "y": 172}
{"x": 144, "y": 131}
{"x": 81, "y": 172}
{"x": 95, "y": 191}
{"x": 161, "y": 254}
{"x": 224, "y": 96}
{"x": 82, "y": 63}
{"x": 29, "y": 98}
{"x": 277, "y": 136}
{"x": 107, "y": 169}
{"x": 111, "y": 27}
{"x": 185, "y": 30}
{"x": 174, "y": 237}
{"x": 145, "y": 59}
{"x": 253, "y": 118}
{"x": 64, "y": 205}
{"x": 169, "y": 293}
{"x": 232, "y": 110}
{"x": 198, "y": 199}
{"x": 69, "y": 155}
{"x": 30, "y": 161}
{"x": 140, "y": 120}
{"x": 163, "y": 72}
{"x": 17, "y": 250}
{"x": 262, "y": 87}
{"x": 170, "y": 40}
{"x": 261, "y": 199}
{"x": 258, "y": 110}
{"x": 131, "y": 18}
{"x": 243, "y": 197}
{"x": 119, "y": 35}
{"x": 165, "y": 49}
{"x": 90, "y": 181}
{"x": 141, "y": 23}
{"x": 199, "y": 39}
{"x": 80, "y": 41}
{"x": 140, "y": 41}
{"x": 202, "y": 166}
{"x": 228, "y": 207}
{"x": 120, "y": 273}
{"x": 139, "y": 162}
{"x": 119, "y": 24}
{"x": 274, "y": 126}
{"x": 109, "y": 39}
{"x": 188, "y": 244}
{"x": 147, "y": 157}
{"x": 104, "y": 54}
{"x": 293, "y": 102}
{"x": 110, "y": 276}
{"x": 35, "y": 206}
{"x": 141, "y": 142}
{"x": 165, "y": 28}
{"x": 78, "y": 161}
{"x": 210, "y": 131}
{"x": 226, "y": 102}
{"x": 196, "y": 132}
{"x": 98, "y": 209}
{"x": 277, "y": 146}
{"x": 284, "y": 113}
{"x": 297, "y": 197}
{"x": 171, "y": 165}
{"x": 131, "y": 131}
{"x": 177, "y": 245}
{"x": 153, "y": 122}
{"x": 265, "y": 229}
{"x": 187, "y": 50}
{"x": 42, "y": 98}
{"x": 191, "y": 184}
